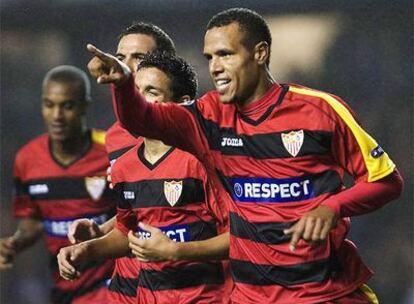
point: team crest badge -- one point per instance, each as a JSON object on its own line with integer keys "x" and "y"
{"x": 172, "y": 191}
{"x": 95, "y": 186}
{"x": 293, "y": 141}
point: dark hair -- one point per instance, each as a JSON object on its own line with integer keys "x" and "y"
{"x": 162, "y": 40}
{"x": 251, "y": 23}
{"x": 182, "y": 74}
{"x": 71, "y": 74}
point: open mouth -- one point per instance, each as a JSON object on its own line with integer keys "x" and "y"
{"x": 222, "y": 85}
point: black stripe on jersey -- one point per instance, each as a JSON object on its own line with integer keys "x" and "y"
{"x": 267, "y": 233}
{"x": 259, "y": 146}
{"x": 325, "y": 182}
{"x": 256, "y": 274}
{"x": 118, "y": 153}
{"x": 182, "y": 277}
{"x": 60, "y": 188}
{"x": 150, "y": 193}
{"x": 126, "y": 286}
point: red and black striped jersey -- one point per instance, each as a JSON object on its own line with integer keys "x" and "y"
{"x": 174, "y": 195}
{"x": 275, "y": 167}
{"x": 57, "y": 195}
{"x": 118, "y": 141}
{"x": 124, "y": 282}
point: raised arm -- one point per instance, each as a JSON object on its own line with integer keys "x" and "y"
{"x": 172, "y": 123}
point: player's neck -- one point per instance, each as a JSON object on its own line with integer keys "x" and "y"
{"x": 264, "y": 83}
{"x": 66, "y": 152}
{"x": 154, "y": 150}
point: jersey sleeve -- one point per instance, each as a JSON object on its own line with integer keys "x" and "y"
{"x": 171, "y": 123}
{"x": 355, "y": 150}
{"x": 23, "y": 205}
{"x": 125, "y": 217}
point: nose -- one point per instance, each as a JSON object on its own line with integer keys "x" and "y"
{"x": 57, "y": 113}
{"x": 215, "y": 66}
{"x": 131, "y": 63}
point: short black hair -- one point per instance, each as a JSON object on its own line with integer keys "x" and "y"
{"x": 182, "y": 75}
{"x": 71, "y": 74}
{"x": 162, "y": 40}
{"x": 250, "y": 22}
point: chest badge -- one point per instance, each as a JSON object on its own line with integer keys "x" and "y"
{"x": 172, "y": 191}
{"x": 293, "y": 141}
{"x": 95, "y": 186}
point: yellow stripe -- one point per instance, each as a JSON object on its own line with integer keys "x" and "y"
{"x": 98, "y": 137}
{"x": 377, "y": 167}
{"x": 369, "y": 293}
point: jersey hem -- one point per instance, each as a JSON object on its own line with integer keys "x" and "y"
{"x": 314, "y": 300}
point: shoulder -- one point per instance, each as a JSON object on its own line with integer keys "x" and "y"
{"x": 34, "y": 146}
{"x": 124, "y": 162}
{"x": 327, "y": 103}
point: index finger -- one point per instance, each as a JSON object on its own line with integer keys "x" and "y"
{"x": 105, "y": 57}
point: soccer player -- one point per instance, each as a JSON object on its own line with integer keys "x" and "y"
{"x": 135, "y": 42}
{"x": 281, "y": 151}
{"x": 167, "y": 188}
{"x": 59, "y": 177}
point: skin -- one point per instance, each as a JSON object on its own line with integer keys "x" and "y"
{"x": 63, "y": 112}
{"x": 241, "y": 76}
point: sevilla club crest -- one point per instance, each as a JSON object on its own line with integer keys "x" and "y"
{"x": 95, "y": 186}
{"x": 293, "y": 141}
{"x": 172, "y": 191}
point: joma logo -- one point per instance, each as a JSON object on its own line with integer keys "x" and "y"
{"x": 231, "y": 142}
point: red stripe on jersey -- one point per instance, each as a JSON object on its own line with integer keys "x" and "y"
{"x": 184, "y": 219}
{"x": 276, "y": 156}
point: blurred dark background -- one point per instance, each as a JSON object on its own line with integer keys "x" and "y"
{"x": 360, "y": 50}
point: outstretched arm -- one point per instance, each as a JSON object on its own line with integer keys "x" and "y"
{"x": 171, "y": 123}
{"x": 160, "y": 248}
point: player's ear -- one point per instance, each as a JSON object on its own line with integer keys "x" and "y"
{"x": 261, "y": 52}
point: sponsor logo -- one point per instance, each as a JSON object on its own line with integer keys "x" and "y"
{"x": 95, "y": 186}
{"x": 293, "y": 141}
{"x": 38, "y": 189}
{"x": 129, "y": 195}
{"x": 377, "y": 152}
{"x": 60, "y": 228}
{"x": 231, "y": 142}
{"x": 172, "y": 191}
{"x": 177, "y": 233}
{"x": 269, "y": 190}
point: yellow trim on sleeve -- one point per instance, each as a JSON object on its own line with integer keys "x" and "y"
{"x": 377, "y": 167}
{"x": 98, "y": 136}
{"x": 369, "y": 293}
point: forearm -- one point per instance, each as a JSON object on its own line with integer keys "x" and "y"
{"x": 27, "y": 233}
{"x": 366, "y": 197}
{"x": 110, "y": 246}
{"x": 216, "y": 248}
{"x": 108, "y": 226}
